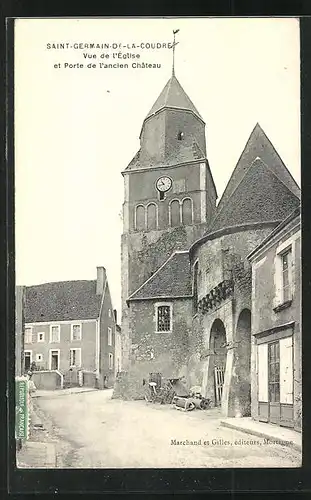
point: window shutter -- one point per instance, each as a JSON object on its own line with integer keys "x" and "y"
{"x": 262, "y": 351}
{"x": 286, "y": 370}
{"x": 292, "y": 272}
{"x": 277, "y": 281}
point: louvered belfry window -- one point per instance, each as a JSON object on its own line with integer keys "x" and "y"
{"x": 164, "y": 319}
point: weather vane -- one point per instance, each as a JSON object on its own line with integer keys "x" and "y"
{"x": 174, "y": 45}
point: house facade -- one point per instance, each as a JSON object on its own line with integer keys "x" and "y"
{"x": 71, "y": 326}
{"x": 187, "y": 307}
{"x": 276, "y": 326}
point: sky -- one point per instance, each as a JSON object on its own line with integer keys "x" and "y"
{"x": 76, "y": 129}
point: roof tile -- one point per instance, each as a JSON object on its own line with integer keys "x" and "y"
{"x": 174, "y": 96}
{"x": 63, "y": 300}
{"x": 260, "y": 197}
{"x": 172, "y": 279}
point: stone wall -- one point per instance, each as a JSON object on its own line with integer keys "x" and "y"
{"x": 224, "y": 258}
{"x": 89, "y": 379}
{"x": 142, "y": 254}
{"x": 158, "y": 352}
{"x": 47, "y": 380}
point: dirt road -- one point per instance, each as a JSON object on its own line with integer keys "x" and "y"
{"x": 96, "y": 431}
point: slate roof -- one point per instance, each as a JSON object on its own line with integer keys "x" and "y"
{"x": 173, "y": 96}
{"x": 295, "y": 214}
{"x": 183, "y": 155}
{"x": 258, "y": 145}
{"x": 63, "y": 300}
{"x": 172, "y": 279}
{"x": 260, "y": 197}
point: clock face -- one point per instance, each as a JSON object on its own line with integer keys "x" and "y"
{"x": 164, "y": 183}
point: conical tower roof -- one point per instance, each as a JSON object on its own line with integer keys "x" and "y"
{"x": 260, "y": 189}
{"x": 259, "y": 197}
{"x": 173, "y": 96}
{"x": 259, "y": 146}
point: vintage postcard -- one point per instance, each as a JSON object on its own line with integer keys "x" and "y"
{"x": 158, "y": 262}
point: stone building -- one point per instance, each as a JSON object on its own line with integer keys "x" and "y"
{"x": 69, "y": 326}
{"x": 165, "y": 208}
{"x": 187, "y": 281}
{"x": 276, "y": 325}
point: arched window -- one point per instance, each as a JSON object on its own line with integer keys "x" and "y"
{"x": 187, "y": 216}
{"x": 152, "y": 216}
{"x": 140, "y": 218}
{"x": 175, "y": 213}
{"x": 180, "y": 136}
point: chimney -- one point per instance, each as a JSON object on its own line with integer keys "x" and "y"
{"x": 100, "y": 282}
{"x": 115, "y": 315}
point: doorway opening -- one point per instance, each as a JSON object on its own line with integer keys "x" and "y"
{"x": 218, "y": 347}
{"x": 27, "y": 360}
{"x": 243, "y": 363}
{"x": 54, "y": 359}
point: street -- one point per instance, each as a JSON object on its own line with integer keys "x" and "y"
{"x": 91, "y": 430}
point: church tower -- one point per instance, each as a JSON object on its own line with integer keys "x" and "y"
{"x": 169, "y": 193}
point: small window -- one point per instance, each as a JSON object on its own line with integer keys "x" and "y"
{"x": 39, "y": 358}
{"x": 54, "y": 333}
{"x": 164, "y": 318}
{"x": 187, "y": 211}
{"x": 174, "y": 213}
{"x": 110, "y": 361}
{"x": 109, "y": 335}
{"x": 40, "y": 337}
{"x": 140, "y": 218}
{"x": 75, "y": 357}
{"x": 180, "y": 136}
{"x": 75, "y": 332}
{"x": 28, "y": 335}
{"x": 286, "y": 277}
{"x": 152, "y": 216}
{"x": 109, "y": 313}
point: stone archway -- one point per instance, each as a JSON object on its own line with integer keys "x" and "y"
{"x": 240, "y": 387}
{"x": 217, "y": 361}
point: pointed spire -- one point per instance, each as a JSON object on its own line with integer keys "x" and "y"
{"x": 173, "y": 96}
{"x": 259, "y": 146}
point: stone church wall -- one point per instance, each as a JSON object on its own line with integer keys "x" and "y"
{"x": 148, "y": 251}
{"x": 163, "y": 352}
{"x": 159, "y": 134}
{"x": 222, "y": 259}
